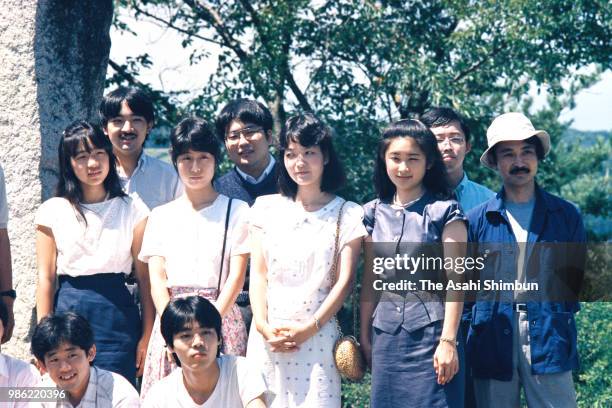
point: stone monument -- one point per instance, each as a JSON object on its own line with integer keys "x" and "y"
{"x": 53, "y": 62}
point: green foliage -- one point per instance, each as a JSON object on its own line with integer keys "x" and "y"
{"x": 360, "y": 65}
{"x": 593, "y": 381}
{"x": 356, "y": 394}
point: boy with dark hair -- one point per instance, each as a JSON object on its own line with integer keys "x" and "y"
{"x": 453, "y": 137}
{"x": 13, "y": 372}
{"x": 245, "y": 127}
{"x": 63, "y": 344}
{"x": 127, "y": 117}
{"x": 191, "y": 327}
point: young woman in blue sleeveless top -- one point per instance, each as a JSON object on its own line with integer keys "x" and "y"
{"x": 410, "y": 336}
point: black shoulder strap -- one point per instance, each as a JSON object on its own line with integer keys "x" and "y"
{"x": 227, "y": 216}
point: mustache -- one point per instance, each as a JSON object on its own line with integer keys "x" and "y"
{"x": 517, "y": 170}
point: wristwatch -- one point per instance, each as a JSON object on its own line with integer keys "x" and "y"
{"x": 10, "y": 293}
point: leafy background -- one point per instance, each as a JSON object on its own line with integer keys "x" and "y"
{"x": 360, "y": 65}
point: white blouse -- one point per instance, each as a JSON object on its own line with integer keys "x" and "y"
{"x": 102, "y": 245}
{"x": 298, "y": 248}
{"x": 190, "y": 241}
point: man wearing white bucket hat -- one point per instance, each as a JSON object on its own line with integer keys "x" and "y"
{"x": 520, "y": 338}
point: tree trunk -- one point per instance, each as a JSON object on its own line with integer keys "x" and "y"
{"x": 54, "y": 56}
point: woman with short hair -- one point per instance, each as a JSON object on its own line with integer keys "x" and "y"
{"x": 294, "y": 294}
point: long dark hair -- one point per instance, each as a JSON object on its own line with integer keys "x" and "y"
{"x": 91, "y": 137}
{"x": 436, "y": 178}
{"x": 307, "y": 130}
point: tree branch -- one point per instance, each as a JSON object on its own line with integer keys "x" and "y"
{"x": 132, "y": 80}
{"x": 169, "y": 24}
{"x": 208, "y": 14}
{"x": 287, "y": 75}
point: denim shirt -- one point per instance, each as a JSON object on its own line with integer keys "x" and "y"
{"x": 470, "y": 194}
{"x": 552, "y": 328}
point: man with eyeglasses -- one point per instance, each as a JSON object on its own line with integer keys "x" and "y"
{"x": 245, "y": 127}
{"x": 453, "y": 135}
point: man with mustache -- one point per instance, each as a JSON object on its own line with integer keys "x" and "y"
{"x": 521, "y": 338}
{"x": 245, "y": 127}
{"x": 453, "y": 137}
{"x": 127, "y": 117}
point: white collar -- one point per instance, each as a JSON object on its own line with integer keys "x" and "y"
{"x": 263, "y": 175}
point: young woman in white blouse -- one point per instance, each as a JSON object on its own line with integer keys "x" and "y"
{"x": 196, "y": 245}
{"x": 293, "y": 294}
{"x": 87, "y": 237}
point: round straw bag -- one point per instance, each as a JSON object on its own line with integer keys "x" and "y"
{"x": 347, "y": 352}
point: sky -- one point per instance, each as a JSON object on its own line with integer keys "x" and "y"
{"x": 171, "y": 71}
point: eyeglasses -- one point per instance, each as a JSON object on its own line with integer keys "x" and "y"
{"x": 248, "y": 132}
{"x": 455, "y": 140}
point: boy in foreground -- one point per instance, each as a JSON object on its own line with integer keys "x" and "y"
{"x": 64, "y": 346}
{"x": 191, "y": 327}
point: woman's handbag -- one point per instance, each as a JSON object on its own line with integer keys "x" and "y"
{"x": 347, "y": 352}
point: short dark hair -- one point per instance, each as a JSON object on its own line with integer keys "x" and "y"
{"x": 246, "y": 111}
{"x": 436, "y": 178}
{"x": 181, "y": 312}
{"x": 193, "y": 134}
{"x": 3, "y": 314}
{"x": 59, "y": 328}
{"x": 308, "y": 130}
{"x": 442, "y": 116}
{"x": 138, "y": 100}
{"x": 533, "y": 140}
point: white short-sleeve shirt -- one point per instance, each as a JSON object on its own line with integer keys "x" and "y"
{"x": 17, "y": 373}
{"x": 103, "y": 245}
{"x": 238, "y": 384}
{"x": 3, "y": 201}
{"x": 190, "y": 241}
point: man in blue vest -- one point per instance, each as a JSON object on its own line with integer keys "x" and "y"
{"x": 519, "y": 338}
{"x": 245, "y": 128}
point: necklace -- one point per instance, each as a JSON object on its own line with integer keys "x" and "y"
{"x": 397, "y": 202}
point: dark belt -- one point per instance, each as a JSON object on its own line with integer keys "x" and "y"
{"x": 87, "y": 280}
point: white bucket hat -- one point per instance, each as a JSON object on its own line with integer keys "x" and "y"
{"x": 508, "y": 127}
